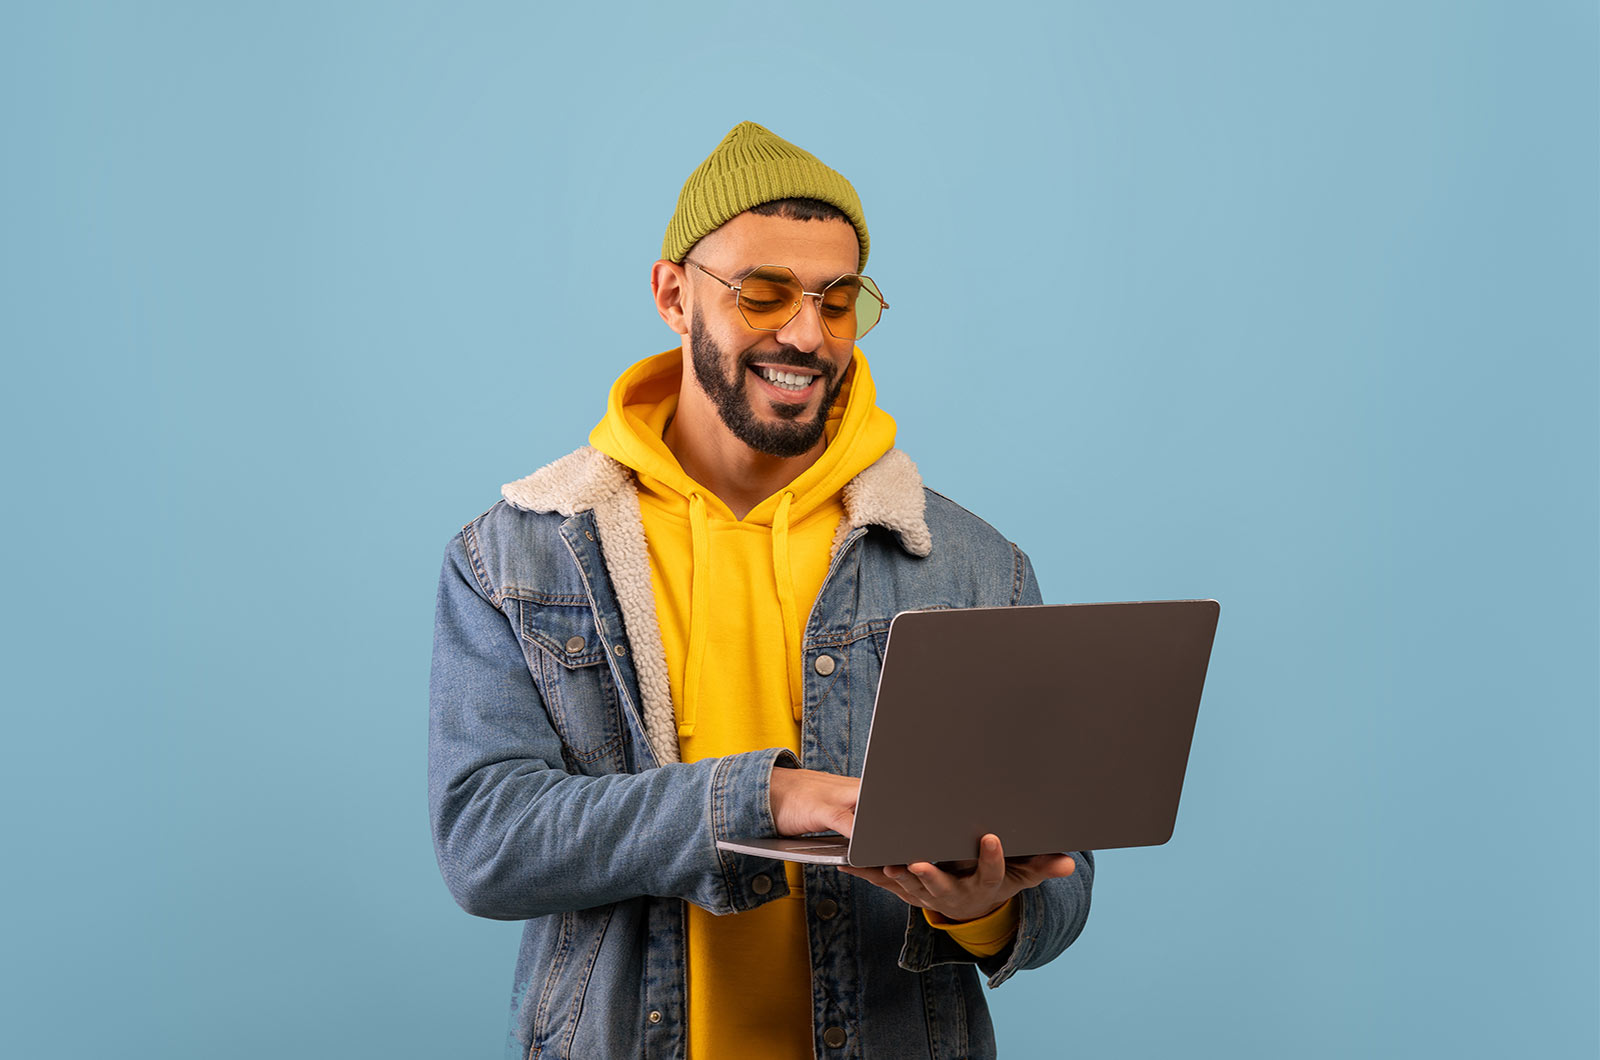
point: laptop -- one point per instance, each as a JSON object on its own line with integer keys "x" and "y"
{"x": 1057, "y": 727}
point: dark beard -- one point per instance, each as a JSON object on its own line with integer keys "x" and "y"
{"x": 792, "y": 438}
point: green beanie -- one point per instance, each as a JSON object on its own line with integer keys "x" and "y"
{"x": 749, "y": 167}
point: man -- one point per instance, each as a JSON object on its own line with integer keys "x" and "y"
{"x": 673, "y": 636}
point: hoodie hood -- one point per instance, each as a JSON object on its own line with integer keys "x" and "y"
{"x": 645, "y": 397}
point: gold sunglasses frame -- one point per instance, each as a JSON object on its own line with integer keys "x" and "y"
{"x": 875, "y": 291}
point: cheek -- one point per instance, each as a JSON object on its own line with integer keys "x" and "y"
{"x": 842, "y": 358}
{"x": 708, "y": 338}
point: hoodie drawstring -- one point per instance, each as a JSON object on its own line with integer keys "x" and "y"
{"x": 699, "y": 617}
{"x": 783, "y": 574}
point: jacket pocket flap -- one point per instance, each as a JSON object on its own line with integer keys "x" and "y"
{"x": 567, "y": 633}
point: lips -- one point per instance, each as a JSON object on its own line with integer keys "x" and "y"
{"x": 787, "y": 384}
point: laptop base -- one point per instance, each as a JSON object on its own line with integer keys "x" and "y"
{"x": 814, "y": 851}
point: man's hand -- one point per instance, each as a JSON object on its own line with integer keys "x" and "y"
{"x": 805, "y": 800}
{"x": 967, "y": 896}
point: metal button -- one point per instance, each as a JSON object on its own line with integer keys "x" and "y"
{"x": 620, "y": 649}
{"x": 833, "y": 1037}
{"x": 655, "y": 1017}
{"x": 823, "y": 665}
{"x": 575, "y": 644}
{"x": 827, "y": 909}
{"x": 591, "y": 538}
{"x": 761, "y": 884}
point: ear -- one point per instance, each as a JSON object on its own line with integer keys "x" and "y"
{"x": 669, "y": 286}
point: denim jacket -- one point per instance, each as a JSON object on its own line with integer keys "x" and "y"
{"x": 557, "y": 798}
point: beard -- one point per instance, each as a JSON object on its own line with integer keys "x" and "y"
{"x": 791, "y": 436}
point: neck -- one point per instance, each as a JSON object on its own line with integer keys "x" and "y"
{"x": 709, "y": 453}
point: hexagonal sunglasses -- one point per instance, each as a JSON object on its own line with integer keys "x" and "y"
{"x": 769, "y": 296}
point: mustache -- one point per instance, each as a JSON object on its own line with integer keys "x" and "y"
{"x": 789, "y": 357}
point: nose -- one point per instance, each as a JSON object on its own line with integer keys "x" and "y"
{"x": 804, "y": 330}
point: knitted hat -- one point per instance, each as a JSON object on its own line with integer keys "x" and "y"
{"x": 749, "y": 167}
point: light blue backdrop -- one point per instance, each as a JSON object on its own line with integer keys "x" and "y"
{"x": 1289, "y": 304}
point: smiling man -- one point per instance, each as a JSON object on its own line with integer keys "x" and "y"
{"x": 672, "y": 636}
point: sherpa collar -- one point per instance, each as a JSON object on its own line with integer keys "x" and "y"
{"x": 888, "y": 493}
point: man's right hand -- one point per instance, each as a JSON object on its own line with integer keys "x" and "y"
{"x": 805, "y": 800}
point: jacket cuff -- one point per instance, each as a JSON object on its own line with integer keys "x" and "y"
{"x": 1031, "y": 913}
{"x": 927, "y": 946}
{"x": 741, "y": 808}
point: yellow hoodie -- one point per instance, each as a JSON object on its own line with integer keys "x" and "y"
{"x": 732, "y": 599}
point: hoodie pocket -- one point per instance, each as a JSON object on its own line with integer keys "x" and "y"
{"x": 567, "y": 661}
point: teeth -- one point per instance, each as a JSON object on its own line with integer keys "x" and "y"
{"x": 787, "y": 380}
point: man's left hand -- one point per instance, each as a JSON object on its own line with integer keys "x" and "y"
{"x": 969, "y": 895}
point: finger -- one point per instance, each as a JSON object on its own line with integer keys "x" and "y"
{"x": 844, "y": 790}
{"x": 907, "y": 880}
{"x": 1032, "y": 871}
{"x": 958, "y": 869}
{"x": 843, "y": 821}
{"x": 879, "y": 879}
{"x": 1049, "y": 866}
{"x": 911, "y": 884}
{"x": 934, "y": 881}
{"x": 991, "y": 862}
{"x": 875, "y": 876}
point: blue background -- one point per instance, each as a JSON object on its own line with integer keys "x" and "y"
{"x": 1291, "y": 305}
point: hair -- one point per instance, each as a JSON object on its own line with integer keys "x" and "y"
{"x": 801, "y": 210}
{"x": 794, "y": 209}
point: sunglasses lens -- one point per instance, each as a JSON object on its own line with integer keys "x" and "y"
{"x": 851, "y": 307}
{"x": 868, "y": 308}
{"x": 769, "y": 298}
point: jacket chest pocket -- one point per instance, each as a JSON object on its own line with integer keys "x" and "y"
{"x": 568, "y": 664}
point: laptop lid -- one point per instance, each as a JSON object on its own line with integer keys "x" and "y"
{"x": 1057, "y": 727}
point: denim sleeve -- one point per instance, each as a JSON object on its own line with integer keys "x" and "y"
{"x": 518, "y": 837}
{"x": 1053, "y": 913}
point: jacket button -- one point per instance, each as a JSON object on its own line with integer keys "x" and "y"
{"x": 620, "y": 649}
{"x": 575, "y": 644}
{"x": 833, "y": 1037}
{"x": 827, "y": 909}
{"x": 761, "y": 884}
{"x": 655, "y": 1017}
{"x": 823, "y": 665}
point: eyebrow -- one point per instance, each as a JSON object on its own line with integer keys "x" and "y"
{"x": 742, "y": 273}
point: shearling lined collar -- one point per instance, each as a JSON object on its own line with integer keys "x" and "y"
{"x": 888, "y": 493}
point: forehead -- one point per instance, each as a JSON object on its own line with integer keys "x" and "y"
{"x": 815, "y": 250}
